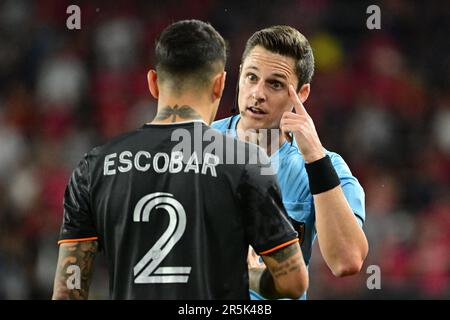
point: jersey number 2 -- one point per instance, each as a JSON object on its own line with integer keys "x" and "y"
{"x": 146, "y": 270}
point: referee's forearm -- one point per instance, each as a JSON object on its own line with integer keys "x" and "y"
{"x": 342, "y": 241}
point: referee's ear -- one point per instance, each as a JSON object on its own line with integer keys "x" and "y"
{"x": 304, "y": 91}
{"x": 152, "y": 78}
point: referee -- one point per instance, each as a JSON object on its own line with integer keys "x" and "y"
{"x": 176, "y": 223}
{"x": 323, "y": 199}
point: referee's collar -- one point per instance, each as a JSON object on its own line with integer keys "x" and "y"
{"x": 283, "y": 148}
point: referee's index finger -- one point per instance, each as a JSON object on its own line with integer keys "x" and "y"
{"x": 298, "y": 105}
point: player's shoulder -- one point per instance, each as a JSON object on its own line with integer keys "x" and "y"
{"x": 240, "y": 155}
{"x": 223, "y": 125}
{"x": 91, "y": 160}
{"x": 110, "y": 145}
{"x": 241, "y": 151}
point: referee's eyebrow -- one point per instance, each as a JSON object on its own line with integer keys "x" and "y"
{"x": 280, "y": 75}
{"x": 252, "y": 67}
{"x": 276, "y": 74}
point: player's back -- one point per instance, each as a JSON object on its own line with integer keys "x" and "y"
{"x": 172, "y": 222}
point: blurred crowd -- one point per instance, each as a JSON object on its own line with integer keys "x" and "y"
{"x": 380, "y": 98}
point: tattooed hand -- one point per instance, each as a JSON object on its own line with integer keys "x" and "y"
{"x": 74, "y": 270}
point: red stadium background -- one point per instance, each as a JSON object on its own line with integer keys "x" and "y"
{"x": 379, "y": 97}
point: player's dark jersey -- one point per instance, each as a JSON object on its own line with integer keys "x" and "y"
{"x": 176, "y": 223}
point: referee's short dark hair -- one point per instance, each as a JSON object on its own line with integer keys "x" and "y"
{"x": 289, "y": 42}
{"x": 189, "y": 52}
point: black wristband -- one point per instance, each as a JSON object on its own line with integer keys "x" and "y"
{"x": 322, "y": 176}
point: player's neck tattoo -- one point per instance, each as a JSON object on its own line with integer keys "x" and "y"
{"x": 184, "y": 112}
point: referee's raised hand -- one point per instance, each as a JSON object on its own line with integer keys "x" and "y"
{"x": 303, "y": 129}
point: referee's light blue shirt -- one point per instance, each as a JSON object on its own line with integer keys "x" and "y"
{"x": 294, "y": 185}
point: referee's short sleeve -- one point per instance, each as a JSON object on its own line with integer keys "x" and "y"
{"x": 78, "y": 222}
{"x": 266, "y": 221}
{"x": 353, "y": 191}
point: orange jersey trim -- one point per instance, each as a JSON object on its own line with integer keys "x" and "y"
{"x": 77, "y": 240}
{"x": 280, "y": 246}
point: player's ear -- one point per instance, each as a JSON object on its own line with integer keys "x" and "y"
{"x": 303, "y": 93}
{"x": 152, "y": 79}
{"x": 218, "y": 85}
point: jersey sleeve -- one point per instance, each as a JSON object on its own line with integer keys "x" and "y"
{"x": 266, "y": 221}
{"x": 77, "y": 222}
{"x": 351, "y": 187}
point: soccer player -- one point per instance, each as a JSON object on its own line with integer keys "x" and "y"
{"x": 177, "y": 224}
{"x": 319, "y": 192}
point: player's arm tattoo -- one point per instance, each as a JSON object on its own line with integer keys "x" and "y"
{"x": 263, "y": 281}
{"x": 184, "y": 112}
{"x": 74, "y": 270}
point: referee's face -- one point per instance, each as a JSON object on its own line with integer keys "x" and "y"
{"x": 263, "y": 88}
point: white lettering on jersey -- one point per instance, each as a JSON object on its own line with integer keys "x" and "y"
{"x": 210, "y": 162}
{"x": 176, "y": 162}
{"x": 161, "y": 163}
{"x": 155, "y": 162}
{"x": 192, "y": 163}
{"x": 109, "y": 162}
{"x": 137, "y": 165}
{"x": 124, "y": 161}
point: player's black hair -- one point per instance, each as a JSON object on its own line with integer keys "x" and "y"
{"x": 189, "y": 51}
{"x": 286, "y": 41}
